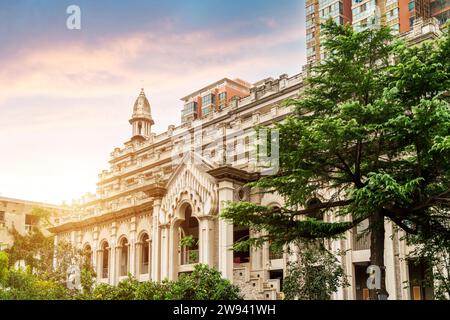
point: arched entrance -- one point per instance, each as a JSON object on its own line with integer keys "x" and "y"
{"x": 185, "y": 241}
{"x": 144, "y": 253}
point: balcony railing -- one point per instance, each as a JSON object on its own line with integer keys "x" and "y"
{"x": 105, "y": 273}
{"x": 189, "y": 256}
{"x": 144, "y": 268}
{"x": 275, "y": 254}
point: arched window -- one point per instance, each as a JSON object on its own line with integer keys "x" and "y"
{"x": 123, "y": 262}
{"x": 145, "y": 254}
{"x": 188, "y": 235}
{"x": 105, "y": 259}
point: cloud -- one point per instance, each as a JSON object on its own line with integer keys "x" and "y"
{"x": 113, "y": 63}
{"x": 65, "y": 105}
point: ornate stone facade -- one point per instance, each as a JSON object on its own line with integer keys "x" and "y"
{"x": 162, "y": 188}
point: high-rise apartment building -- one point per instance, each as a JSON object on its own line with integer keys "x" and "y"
{"x": 399, "y": 15}
{"x": 440, "y": 9}
{"x": 214, "y": 97}
{"x": 318, "y": 11}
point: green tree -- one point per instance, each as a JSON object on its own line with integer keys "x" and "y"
{"x": 370, "y": 138}
{"x": 204, "y": 283}
{"x": 435, "y": 251}
{"x": 4, "y": 264}
{"x": 316, "y": 275}
{"x": 34, "y": 248}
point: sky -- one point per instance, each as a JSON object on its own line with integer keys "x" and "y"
{"x": 66, "y": 95}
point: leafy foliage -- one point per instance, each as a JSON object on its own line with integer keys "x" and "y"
{"x": 4, "y": 264}
{"x": 204, "y": 283}
{"x": 436, "y": 252}
{"x": 316, "y": 275}
{"x": 370, "y": 137}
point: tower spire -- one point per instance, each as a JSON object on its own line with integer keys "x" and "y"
{"x": 141, "y": 120}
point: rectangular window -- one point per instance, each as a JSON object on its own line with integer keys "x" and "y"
{"x": 363, "y": 7}
{"x": 189, "y": 108}
{"x": 31, "y": 220}
{"x": 205, "y": 111}
{"x": 222, "y": 96}
{"x": 364, "y": 23}
{"x": 207, "y": 100}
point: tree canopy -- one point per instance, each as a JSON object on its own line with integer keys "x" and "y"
{"x": 369, "y": 138}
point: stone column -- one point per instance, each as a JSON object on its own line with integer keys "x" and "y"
{"x": 404, "y": 273}
{"x": 172, "y": 250}
{"x": 156, "y": 246}
{"x": 131, "y": 253}
{"x": 164, "y": 229}
{"x": 117, "y": 263}
{"x": 99, "y": 268}
{"x": 138, "y": 256}
{"x": 389, "y": 261}
{"x": 259, "y": 256}
{"x": 226, "y": 189}
{"x": 94, "y": 249}
{"x": 349, "y": 270}
{"x": 206, "y": 240}
{"x": 112, "y": 255}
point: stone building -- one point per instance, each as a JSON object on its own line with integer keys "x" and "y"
{"x": 162, "y": 188}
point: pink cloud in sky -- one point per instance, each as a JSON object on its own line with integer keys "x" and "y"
{"x": 64, "y": 107}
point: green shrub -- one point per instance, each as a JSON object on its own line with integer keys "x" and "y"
{"x": 4, "y": 262}
{"x": 204, "y": 283}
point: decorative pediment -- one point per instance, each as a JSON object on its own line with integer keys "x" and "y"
{"x": 191, "y": 183}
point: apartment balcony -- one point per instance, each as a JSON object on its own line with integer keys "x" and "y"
{"x": 275, "y": 254}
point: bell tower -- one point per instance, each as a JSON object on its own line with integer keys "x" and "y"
{"x": 141, "y": 120}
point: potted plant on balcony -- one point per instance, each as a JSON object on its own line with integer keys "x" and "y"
{"x": 190, "y": 242}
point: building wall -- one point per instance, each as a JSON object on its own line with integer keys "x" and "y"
{"x": 13, "y": 214}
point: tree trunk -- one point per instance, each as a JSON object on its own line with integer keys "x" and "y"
{"x": 376, "y": 223}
